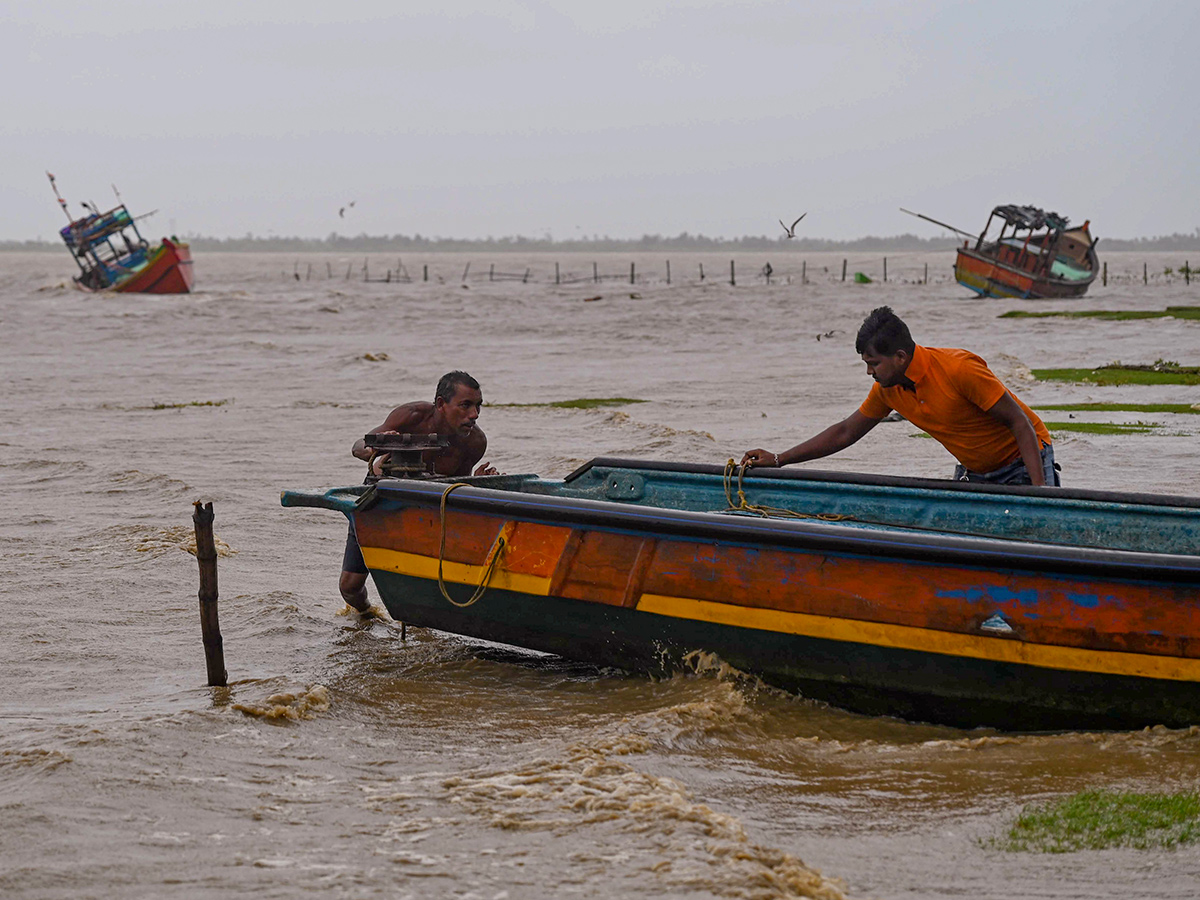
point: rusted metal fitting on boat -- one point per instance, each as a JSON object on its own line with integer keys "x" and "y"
{"x": 402, "y": 455}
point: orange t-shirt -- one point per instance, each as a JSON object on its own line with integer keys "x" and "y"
{"x": 953, "y": 391}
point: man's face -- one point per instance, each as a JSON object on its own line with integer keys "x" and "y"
{"x": 461, "y": 411}
{"x": 887, "y": 370}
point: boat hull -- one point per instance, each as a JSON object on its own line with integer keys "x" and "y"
{"x": 168, "y": 271}
{"x": 964, "y": 630}
{"x": 988, "y": 277}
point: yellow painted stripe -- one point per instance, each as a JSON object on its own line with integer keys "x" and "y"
{"x": 906, "y": 637}
{"x": 455, "y": 573}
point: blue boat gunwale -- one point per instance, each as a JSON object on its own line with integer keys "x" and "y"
{"x": 807, "y": 535}
{"x": 902, "y": 481}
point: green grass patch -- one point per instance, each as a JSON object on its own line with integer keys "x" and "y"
{"x": 189, "y": 403}
{"x": 1096, "y": 820}
{"x": 580, "y": 403}
{"x": 1118, "y": 374}
{"x": 1102, "y": 427}
{"x": 1183, "y": 409}
{"x": 1112, "y": 315}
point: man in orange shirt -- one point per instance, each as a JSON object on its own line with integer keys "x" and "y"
{"x": 952, "y": 395}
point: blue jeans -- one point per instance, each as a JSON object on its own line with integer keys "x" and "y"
{"x": 1015, "y": 472}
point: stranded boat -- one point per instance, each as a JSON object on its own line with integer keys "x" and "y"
{"x": 1040, "y": 258}
{"x": 112, "y": 255}
{"x": 967, "y": 604}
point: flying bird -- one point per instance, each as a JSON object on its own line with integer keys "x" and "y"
{"x": 350, "y": 205}
{"x": 791, "y": 232}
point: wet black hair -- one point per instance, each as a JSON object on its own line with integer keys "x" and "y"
{"x": 885, "y": 333}
{"x": 449, "y": 384}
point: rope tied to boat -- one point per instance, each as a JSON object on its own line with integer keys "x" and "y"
{"x": 489, "y": 563}
{"x": 759, "y": 509}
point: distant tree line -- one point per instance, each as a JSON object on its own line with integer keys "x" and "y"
{"x": 647, "y": 243}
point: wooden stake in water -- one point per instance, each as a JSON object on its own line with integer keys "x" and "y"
{"x": 1145, "y": 274}
{"x": 1187, "y": 272}
{"x": 804, "y": 272}
{"x": 632, "y": 279}
{"x": 885, "y": 268}
{"x": 466, "y": 269}
{"x": 210, "y": 628}
{"x": 701, "y": 271}
{"x": 425, "y": 272}
{"x": 556, "y": 280}
{"x": 668, "y": 271}
{"x": 732, "y": 280}
{"x": 595, "y": 273}
{"x": 843, "y": 270}
{"x": 1104, "y": 274}
{"x": 926, "y": 278}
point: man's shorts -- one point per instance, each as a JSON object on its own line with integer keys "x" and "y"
{"x": 1015, "y": 472}
{"x": 352, "y": 559}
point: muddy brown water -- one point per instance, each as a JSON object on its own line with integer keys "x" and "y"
{"x": 345, "y": 762}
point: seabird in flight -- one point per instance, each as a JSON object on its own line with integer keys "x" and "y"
{"x": 791, "y": 232}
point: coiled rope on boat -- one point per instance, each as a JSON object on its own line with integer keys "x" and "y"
{"x": 490, "y": 563}
{"x": 759, "y": 509}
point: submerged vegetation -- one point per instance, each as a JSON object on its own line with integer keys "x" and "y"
{"x": 1172, "y": 312}
{"x": 1102, "y": 427}
{"x": 579, "y": 403}
{"x": 1178, "y": 408}
{"x": 1161, "y": 372}
{"x": 1096, "y": 820}
{"x": 189, "y": 403}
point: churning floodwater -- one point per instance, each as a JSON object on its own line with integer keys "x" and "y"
{"x": 343, "y": 761}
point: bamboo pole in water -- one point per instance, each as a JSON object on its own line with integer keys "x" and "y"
{"x": 210, "y": 627}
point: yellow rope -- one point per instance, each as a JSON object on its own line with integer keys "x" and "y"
{"x": 765, "y": 511}
{"x": 490, "y": 563}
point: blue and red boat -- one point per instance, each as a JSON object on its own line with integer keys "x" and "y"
{"x": 113, "y": 256}
{"x": 972, "y": 605}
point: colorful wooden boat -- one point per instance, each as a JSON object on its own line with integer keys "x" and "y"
{"x": 1040, "y": 258}
{"x": 113, "y": 256}
{"x": 973, "y": 605}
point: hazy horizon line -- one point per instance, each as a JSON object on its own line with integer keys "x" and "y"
{"x": 335, "y": 242}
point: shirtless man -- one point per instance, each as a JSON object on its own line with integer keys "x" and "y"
{"x": 451, "y": 416}
{"x": 952, "y": 395}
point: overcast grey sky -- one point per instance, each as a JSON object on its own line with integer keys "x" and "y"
{"x": 469, "y": 119}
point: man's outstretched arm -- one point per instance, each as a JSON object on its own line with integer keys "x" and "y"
{"x": 831, "y": 440}
{"x": 1010, "y": 413}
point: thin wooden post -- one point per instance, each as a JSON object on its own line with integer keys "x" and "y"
{"x": 525, "y": 280}
{"x": 308, "y": 274}
{"x": 1104, "y": 274}
{"x": 804, "y": 272}
{"x": 366, "y": 271}
{"x": 925, "y": 280}
{"x": 349, "y": 266}
{"x": 732, "y": 280}
{"x": 885, "y": 268}
{"x": 492, "y": 272}
{"x": 1187, "y": 272}
{"x": 843, "y": 270}
{"x": 425, "y": 272}
{"x": 556, "y": 278}
{"x": 328, "y": 270}
{"x": 632, "y": 280}
{"x": 595, "y": 273}
{"x": 210, "y": 627}
{"x": 466, "y": 269}
{"x": 1145, "y": 274}
{"x": 701, "y": 271}
{"x": 668, "y": 271}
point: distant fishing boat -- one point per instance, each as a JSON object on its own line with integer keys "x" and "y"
{"x": 968, "y": 604}
{"x": 1040, "y": 258}
{"x": 112, "y": 255}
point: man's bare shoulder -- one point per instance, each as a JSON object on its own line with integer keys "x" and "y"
{"x": 408, "y": 416}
